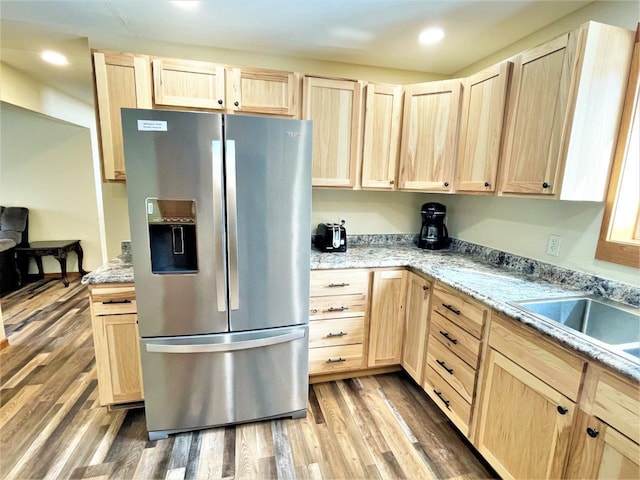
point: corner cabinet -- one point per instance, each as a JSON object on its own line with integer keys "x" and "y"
{"x": 429, "y": 135}
{"x": 564, "y": 109}
{"x": 116, "y": 343}
{"x": 481, "y": 125}
{"x": 335, "y": 106}
{"x": 529, "y": 396}
{"x": 416, "y": 325}
{"x": 383, "y": 108}
{"x": 386, "y": 327}
{"x": 122, "y": 80}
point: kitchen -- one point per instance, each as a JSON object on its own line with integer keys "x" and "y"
{"x": 403, "y": 215}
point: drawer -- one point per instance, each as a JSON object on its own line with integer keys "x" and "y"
{"x": 338, "y": 306}
{"x": 114, "y": 300}
{"x": 552, "y": 364}
{"x": 455, "y": 339}
{"x": 335, "y": 359}
{"x": 616, "y": 401}
{"x": 341, "y": 331}
{"x": 339, "y": 282}
{"x": 458, "y": 308}
{"x": 452, "y": 404}
{"x": 450, "y": 367}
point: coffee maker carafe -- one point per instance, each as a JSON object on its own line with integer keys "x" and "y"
{"x": 433, "y": 234}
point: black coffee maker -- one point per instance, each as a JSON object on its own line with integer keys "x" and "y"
{"x": 433, "y": 234}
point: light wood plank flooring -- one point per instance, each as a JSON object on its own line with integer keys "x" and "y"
{"x": 51, "y": 425}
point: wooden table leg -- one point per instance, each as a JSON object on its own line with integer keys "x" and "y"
{"x": 38, "y": 260}
{"x": 61, "y": 256}
{"x": 80, "y": 255}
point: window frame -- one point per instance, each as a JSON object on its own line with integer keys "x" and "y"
{"x": 610, "y": 250}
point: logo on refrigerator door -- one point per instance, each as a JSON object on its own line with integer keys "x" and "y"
{"x": 293, "y": 134}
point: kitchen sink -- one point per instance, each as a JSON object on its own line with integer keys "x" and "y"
{"x": 612, "y": 323}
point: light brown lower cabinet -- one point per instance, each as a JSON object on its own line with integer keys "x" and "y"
{"x": 116, "y": 343}
{"x": 600, "y": 451}
{"x": 416, "y": 324}
{"x": 525, "y": 425}
{"x": 386, "y": 323}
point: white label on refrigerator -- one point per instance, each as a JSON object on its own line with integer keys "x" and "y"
{"x": 152, "y": 125}
{"x": 150, "y": 208}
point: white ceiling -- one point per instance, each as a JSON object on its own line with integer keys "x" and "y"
{"x": 367, "y": 32}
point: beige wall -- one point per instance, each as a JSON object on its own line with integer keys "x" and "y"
{"x": 116, "y": 216}
{"x": 624, "y": 14}
{"x": 369, "y": 212}
{"x": 46, "y": 165}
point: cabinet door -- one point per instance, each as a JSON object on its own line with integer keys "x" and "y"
{"x": 122, "y": 81}
{"x": 184, "y": 83}
{"x": 123, "y": 348}
{"x": 383, "y": 107}
{"x": 386, "y": 327}
{"x": 600, "y": 451}
{"x": 272, "y": 92}
{"x": 429, "y": 134}
{"x": 416, "y": 324}
{"x": 483, "y": 110}
{"x": 335, "y": 108}
{"x": 525, "y": 425}
{"x": 537, "y": 110}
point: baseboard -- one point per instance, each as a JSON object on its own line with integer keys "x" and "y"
{"x": 328, "y": 377}
{"x": 4, "y": 343}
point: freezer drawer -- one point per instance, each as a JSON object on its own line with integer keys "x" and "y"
{"x": 207, "y": 380}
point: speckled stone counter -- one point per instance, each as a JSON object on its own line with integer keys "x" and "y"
{"x": 487, "y": 275}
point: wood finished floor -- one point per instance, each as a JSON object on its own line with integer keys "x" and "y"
{"x": 52, "y": 426}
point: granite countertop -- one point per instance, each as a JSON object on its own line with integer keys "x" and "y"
{"x": 472, "y": 272}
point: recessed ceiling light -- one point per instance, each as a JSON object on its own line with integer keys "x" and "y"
{"x": 431, "y": 35}
{"x": 186, "y": 4}
{"x": 54, "y": 57}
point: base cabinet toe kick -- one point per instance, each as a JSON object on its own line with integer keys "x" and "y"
{"x": 504, "y": 385}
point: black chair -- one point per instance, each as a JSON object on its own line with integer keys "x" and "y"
{"x": 14, "y": 231}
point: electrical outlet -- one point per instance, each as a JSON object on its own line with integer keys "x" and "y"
{"x": 553, "y": 245}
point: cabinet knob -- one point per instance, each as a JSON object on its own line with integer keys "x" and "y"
{"x": 562, "y": 410}
{"x": 446, "y": 184}
{"x": 391, "y": 182}
{"x": 545, "y": 185}
{"x": 220, "y": 102}
{"x": 487, "y": 184}
{"x": 424, "y": 287}
{"x": 236, "y": 103}
{"x": 592, "y": 432}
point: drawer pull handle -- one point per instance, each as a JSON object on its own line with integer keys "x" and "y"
{"x": 592, "y": 432}
{"x": 338, "y": 360}
{"x": 446, "y": 335}
{"x": 562, "y": 410}
{"x": 446, "y": 402}
{"x": 444, "y": 365}
{"x": 333, "y": 285}
{"x": 449, "y": 307}
{"x": 341, "y": 334}
{"x": 337, "y": 309}
{"x": 114, "y": 302}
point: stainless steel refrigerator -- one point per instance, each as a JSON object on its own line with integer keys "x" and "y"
{"x": 220, "y": 211}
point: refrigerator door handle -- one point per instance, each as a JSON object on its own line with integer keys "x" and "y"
{"x": 218, "y": 220}
{"x": 232, "y": 225}
{"x": 224, "y": 347}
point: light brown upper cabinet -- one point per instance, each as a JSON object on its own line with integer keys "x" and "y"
{"x": 256, "y": 90}
{"x": 383, "y": 108}
{"x": 481, "y": 125}
{"x": 335, "y": 106}
{"x": 122, "y": 80}
{"x": 565, "y": 104}
{"x": 429, "y": 134}
{"x": 186, "y": 83}
{"x": 191, "y": 84}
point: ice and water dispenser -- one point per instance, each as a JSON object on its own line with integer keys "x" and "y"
{"x": 172, "y": 236}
